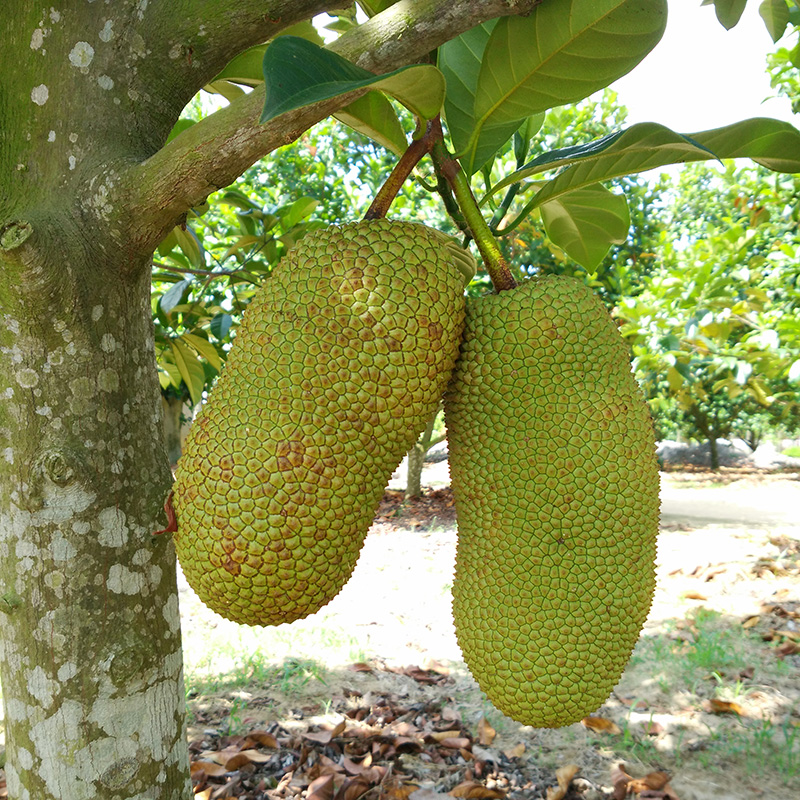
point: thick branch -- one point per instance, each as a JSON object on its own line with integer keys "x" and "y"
{"x": 200, "y": 38}
{"x": 213, "y": 153}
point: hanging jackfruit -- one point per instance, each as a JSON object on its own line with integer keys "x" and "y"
{"x": 341, "y": 359}
{"x": 553, "y": 468}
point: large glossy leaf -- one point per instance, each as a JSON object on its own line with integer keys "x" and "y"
{"x": 298, "y": 73}
{"x": 728, "y": 12}
{"x": 772, "y": 143}
{"x": 190, "y": 368}
{"x": 460, "y": 63}
{"x": 559, "y": 54}
{"x": 586, "y": 222}
{"x": 246, "y": 68}
{"x": 775, "y": 14}
{"x": 373, "y": 7}
{"x": 375, "y": 117}
{"x": 174, "y": 295}
{"x": 204, "y": 348}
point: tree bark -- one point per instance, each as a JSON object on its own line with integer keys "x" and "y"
{"x": 416, "y": 458}
{"x": 91, "y": 652}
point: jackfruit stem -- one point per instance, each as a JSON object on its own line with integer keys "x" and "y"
{"x": 418, "y": 148}
{"x": 450, "y": 169}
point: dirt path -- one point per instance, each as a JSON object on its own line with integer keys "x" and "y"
{"x": 715, "y": 576}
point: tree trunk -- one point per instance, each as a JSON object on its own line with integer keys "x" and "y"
{"x": 416, "y": 458}
{"x": 91, "y": 660}
{"x": 714, "y": 450}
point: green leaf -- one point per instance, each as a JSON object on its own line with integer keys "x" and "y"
{"x": 243, "y": 242}
{"x": 221, "y": 325}
{"x": 775, "y": 14}
{"x": 728, "y": 12}
{"x": 586, "y": 222}
{"x": 189, "y": 243}
{"x": 460, "y": 62}
{"x": 233, "y": 197}
{"x": 230, "y": 91}
{"x": 298, "y": 73}
{"x": 560, "y": 53}
{"x": 204, "y": 348}
{"x": 299, "y": 210}
{"x": 173, "y": 374}
{"x": 769, "y": 142}
{"x": 191, "y": 370}
{"x": 179, "y": 127}
{"x": 375, "y": 117}
{"x": 173, "y": 295}
{"x": 246, "y": 68}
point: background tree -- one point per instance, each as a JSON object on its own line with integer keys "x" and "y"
{"x": 94, "y": 177}
{"x": 713, "y": 331}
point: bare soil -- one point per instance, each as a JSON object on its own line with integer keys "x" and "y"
{"x": 724, "y": 629}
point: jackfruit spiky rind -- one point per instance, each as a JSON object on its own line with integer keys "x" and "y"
{"x": 340, "y": 361}
{"x": 552, "y": 460}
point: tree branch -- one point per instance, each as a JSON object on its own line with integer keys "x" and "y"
{"x": 213, "y": 153}
{"x": 199, "y": 38}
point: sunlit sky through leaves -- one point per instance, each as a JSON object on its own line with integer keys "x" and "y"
{"x": 701, "y": 76}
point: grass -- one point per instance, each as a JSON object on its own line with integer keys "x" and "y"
{"x": 791, "y": 452}
{"x": 702, "y": 659}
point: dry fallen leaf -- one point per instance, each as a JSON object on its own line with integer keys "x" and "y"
{"x": 564, "y": 776}
{"x": 651, "y": 728}
{"x": 694, "y": 596}
{"x": 621, "y": 781}
{"x": 440, "y": 736}
{"x": 486, "y": 733}
{"x": 723, "y": 707}
{"x": 263, "y": 738}
{"x": 788, "y": 649}
{"x": 472, "y": 790}
{"x": 517, "y": 751}
{"x": 600, "y": 725}
{"x": 751, "y": 621}
{"x": 321, "y": 789}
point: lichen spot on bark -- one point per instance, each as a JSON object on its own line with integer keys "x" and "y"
{"x": 107, "y": 380}
{"x": 114, "y": 530}
{"x": 40, "y": 94}
{"x": 81, "y": 55}
{"x": 42, "y": 687}
{"x": 107, "y": 33}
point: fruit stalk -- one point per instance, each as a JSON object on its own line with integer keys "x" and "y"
{"x": 416, "y": 151}
{"x": 447, "y": 166}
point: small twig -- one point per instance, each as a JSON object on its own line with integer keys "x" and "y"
{"x": 413, "y": 155}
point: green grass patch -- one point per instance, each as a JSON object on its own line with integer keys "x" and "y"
{"x": 708, "y": 657}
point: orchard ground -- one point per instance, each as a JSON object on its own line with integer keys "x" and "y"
{"x": 711, "y": 695}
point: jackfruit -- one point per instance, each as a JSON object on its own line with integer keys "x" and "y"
{"x": 341, "y": 359}
{"x": 553, "y": 469}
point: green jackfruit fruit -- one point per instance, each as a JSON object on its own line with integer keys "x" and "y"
{"x": 341, "y": 359}
{"x": 553, "y": 468}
